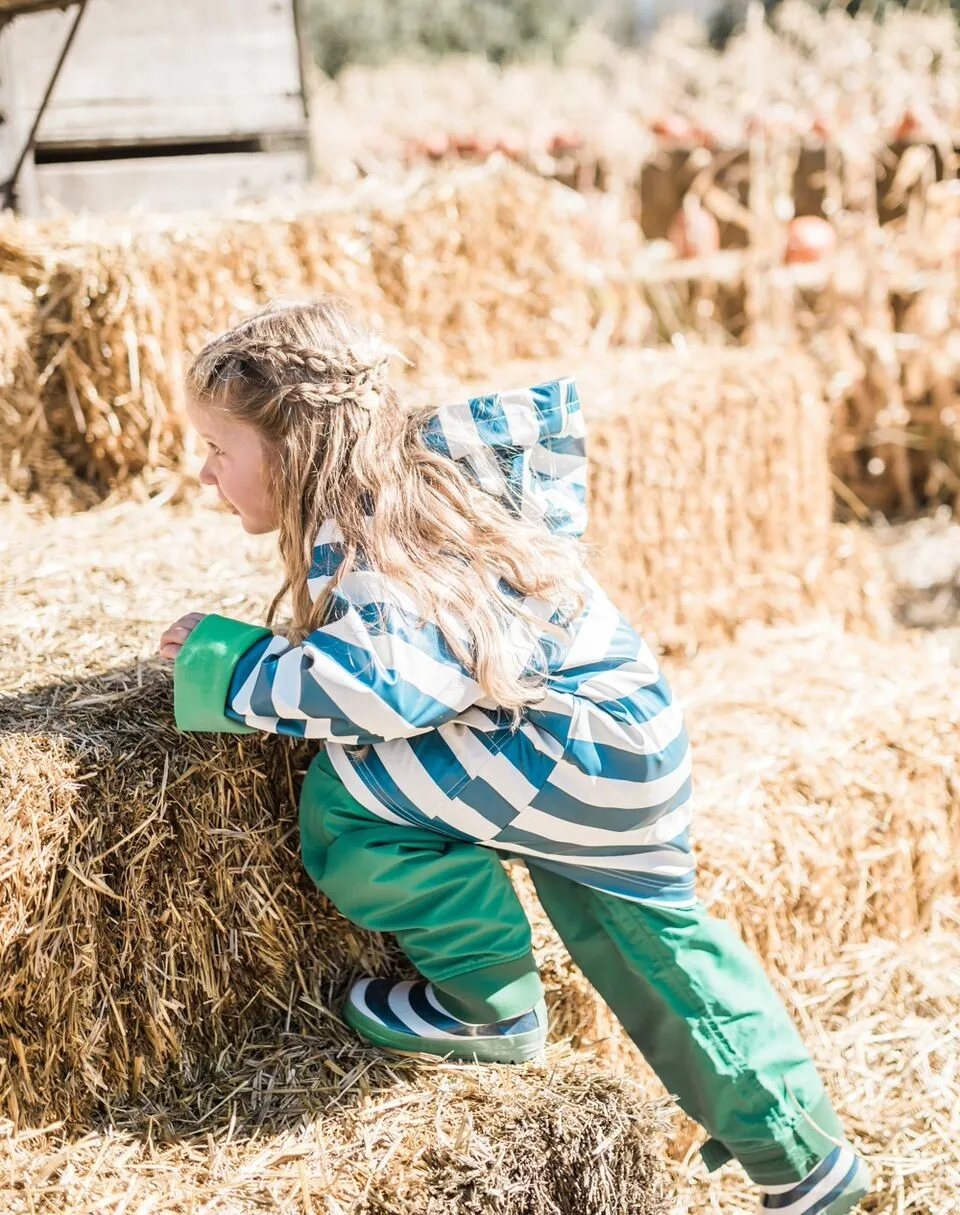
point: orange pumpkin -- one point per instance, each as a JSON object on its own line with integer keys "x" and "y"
{"x": 694, "y": 231}
{"x": 673, "y": 127}
{"x": 915, "y": 126}
{"x": 565, "y": 141}
{"x": 436, "y": 146}
{"x": 810, "y": 239}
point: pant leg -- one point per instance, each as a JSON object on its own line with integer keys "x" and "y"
{"x": 451, "y": 904}
{"x": 699, "y": 1006}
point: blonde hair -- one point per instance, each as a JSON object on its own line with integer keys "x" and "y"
{"x": 344, "y": 447}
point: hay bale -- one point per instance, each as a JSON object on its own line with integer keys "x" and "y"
{"x": 153, "y": 908}
{"x": 465, "y": 270}
{"x": 29, "y": 466}
{"x": 710, "y": 499}
{"x": 302, "y": 1125}
{"x": 829, "y": 788}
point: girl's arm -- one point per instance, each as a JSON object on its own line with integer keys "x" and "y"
{"x": 369, "y": 675}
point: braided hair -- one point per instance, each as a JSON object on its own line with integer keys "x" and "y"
{"x": 342, "y": 446}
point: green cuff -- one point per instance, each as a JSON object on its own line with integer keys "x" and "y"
{"x": 492, "y": 993}
{"x": 204, "y": 669}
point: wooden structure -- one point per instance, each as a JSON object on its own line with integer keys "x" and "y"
{"x": 161, "y": 104}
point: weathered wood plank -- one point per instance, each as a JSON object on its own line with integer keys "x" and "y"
{"x": 166, "y": 183}
{"x": 162, "y": 69}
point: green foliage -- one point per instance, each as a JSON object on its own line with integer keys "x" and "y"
{"x": 371, "y": 31}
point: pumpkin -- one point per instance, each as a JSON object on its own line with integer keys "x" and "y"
{"x": 810, "y": 239}
{"x": 673, "y": 127}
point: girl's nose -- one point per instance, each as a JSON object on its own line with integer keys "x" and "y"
{"x": 206, "y": 476}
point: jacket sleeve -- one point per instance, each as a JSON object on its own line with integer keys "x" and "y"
{"x": 527, "y": 447}
{"x": 370, "y": 674}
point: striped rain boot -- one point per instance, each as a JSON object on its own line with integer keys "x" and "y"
{"x": 408, "y": 1017}
{"x": 834, "y": 1187}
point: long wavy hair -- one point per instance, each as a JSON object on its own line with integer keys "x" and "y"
{"x": 342, "y": 446}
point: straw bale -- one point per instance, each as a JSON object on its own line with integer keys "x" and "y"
{"x": 710, "y": 494}
{"x": 154, "y": 911}
{"x": 28, "y": 465}
{"x": 310, "y": 1126}
{"x": 152, "y": 905}
{"x": 465, "y": 269}
{"x": 838, "y": 819}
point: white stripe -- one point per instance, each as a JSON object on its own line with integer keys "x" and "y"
{"x": 618, "y": 683}
{"x": 559, "y": 466}
{"x": 416, "y": 783}
{"x": 369, "y": 586}
{"x": 594, "y": 634}
{"x": 653, "y": 863}
{"x": 399, "y": 1001}
{"x": 394, "y": 655}
{"x": 358, "y": 998}
{"x": 823, "y": 1187}
{"x": 620, "y": 794}
{"x": 558, "y": 830}
{"x": 329, "y": 533}
{"x": 432, "y": 999}
{"x": 356, "y": 786}
{"x": 358, "y": 704}
{"x": 502, "y": 776}
{"x": 520, "y": 411}
{"x": 635, "y": 738}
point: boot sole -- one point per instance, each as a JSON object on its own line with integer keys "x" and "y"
{"x": 524, "y": 1048}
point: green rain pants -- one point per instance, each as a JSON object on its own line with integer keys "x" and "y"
{"x": 684, "y": 987}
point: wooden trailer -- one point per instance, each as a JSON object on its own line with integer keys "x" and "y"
{"x": 160, "y": 104}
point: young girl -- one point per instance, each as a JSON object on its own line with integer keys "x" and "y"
{"x": 478, "y": 694}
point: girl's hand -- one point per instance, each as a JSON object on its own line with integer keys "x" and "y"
{"x": 172, "y": 641}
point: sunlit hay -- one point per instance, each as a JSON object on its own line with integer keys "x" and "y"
{"x": 460, "y": 270}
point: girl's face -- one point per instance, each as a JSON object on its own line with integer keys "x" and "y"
{"x": 237, "y": 465}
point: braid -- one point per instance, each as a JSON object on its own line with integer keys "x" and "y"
{"x": 322, "y": 377}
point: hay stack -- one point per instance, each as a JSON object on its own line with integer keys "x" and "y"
{"x": 464, "y": 269}
{"x": 154, "y": 913}
{"x": 304, "y": 1127}
{"x": 829, "y": 788}
{"x": 152, "y": 906}
{"x": 28, "y": 465}
{"x": 710, "y": 495}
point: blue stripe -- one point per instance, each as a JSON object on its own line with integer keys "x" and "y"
{"x": 375, "y": 998}
{"x": 327, "y": 559}
{"x": 389, "y": 619}
{"x": 548, "y": 399}
{"x": 384, "y": 788}
{"x": 561, "y": 805}
{"x": 440, "y": 761}
{"x": 605, "y": 762}
{"x": 488, "y": 802}
{"x": 312, "y": 701}
{"x": 426, "y": 1012}
{"x": 564, "y": 848}
{"x": 775, "y": 1202}
{"x": 491, "y": 421}
{"x": 414, "y": 706}
{"x": 624, "y": 884}
{"x": 434, "y": 438}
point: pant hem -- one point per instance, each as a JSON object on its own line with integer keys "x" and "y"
{"x": 492, "y": 993}
{"x": 799, "y": 1150}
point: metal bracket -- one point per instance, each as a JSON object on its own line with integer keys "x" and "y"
{"x": 8, "y": 188}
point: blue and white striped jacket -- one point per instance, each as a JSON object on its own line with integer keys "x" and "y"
{"x": 595, "y": 782}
